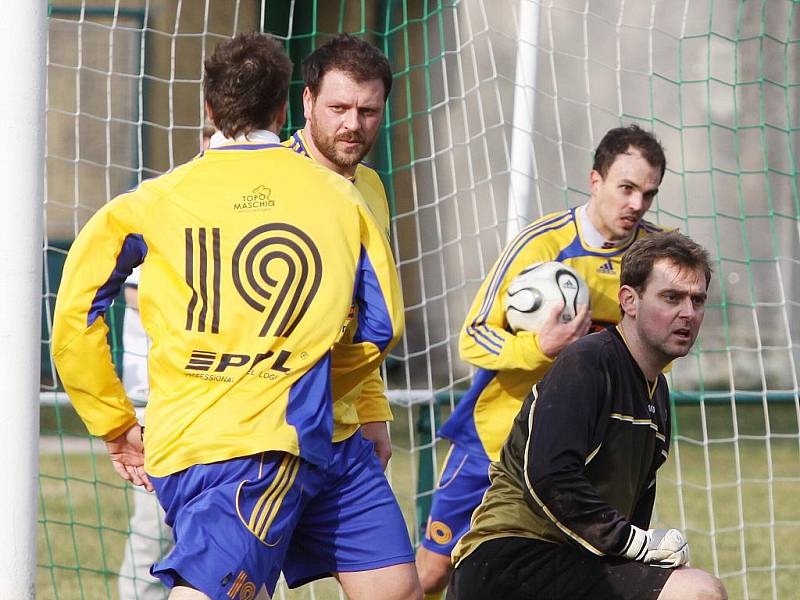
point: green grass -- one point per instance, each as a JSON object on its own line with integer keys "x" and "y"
{"x": 726, "y": 488}
{"x": 83, "y": 524}
{"x": 740, "y": 496}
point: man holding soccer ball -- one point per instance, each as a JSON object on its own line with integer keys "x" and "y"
{"x": 629, "y": 164}
{"x": 567, "y": 514}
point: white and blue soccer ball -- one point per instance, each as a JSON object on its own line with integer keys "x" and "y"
{"x": 533, "y": 293}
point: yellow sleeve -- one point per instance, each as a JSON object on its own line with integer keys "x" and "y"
{"x": 485, "y": 340}
{"x": 102, "y": 256}
{"x": 380, "y": 311}
{"x": 373, "y": 405}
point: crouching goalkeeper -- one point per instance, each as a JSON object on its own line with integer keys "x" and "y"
{"x": 567, "y": 514}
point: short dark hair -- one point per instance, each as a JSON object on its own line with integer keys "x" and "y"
{"x": 617, "y": 141}
{"x": 246, "y": 83}
{"x": 637, "y": 264}
{"x": 357, "y": 58}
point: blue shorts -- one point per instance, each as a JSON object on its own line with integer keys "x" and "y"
{"x": 237, "y": 523}
{"x": 353, "y": 524}
{"x": 464, "y": 479}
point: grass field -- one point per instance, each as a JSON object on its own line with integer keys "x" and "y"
{"x": 740, "y": 496}
{"x": 740, "y": 499}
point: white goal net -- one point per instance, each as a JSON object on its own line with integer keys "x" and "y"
{"x": 494, "y": 114}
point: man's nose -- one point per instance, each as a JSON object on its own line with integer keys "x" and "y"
{"x": 636, "y": 201}
{"x": 351, "y": 121}
{"x": 687, "y": 308}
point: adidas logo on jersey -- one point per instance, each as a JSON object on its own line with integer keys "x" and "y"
{"x": 607, "y": 268}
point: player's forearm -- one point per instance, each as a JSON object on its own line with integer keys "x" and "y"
{"x": 351, "y": 363}
{"x": 85, "y": 369}
{"x": 379, "y": 329}
{"x": 574, "y": 506}
{"x": 495, "y": 349}
{"x": 373, "y": 405}
{"x": 644, "y": 508}
{"x": 570, "y": 501}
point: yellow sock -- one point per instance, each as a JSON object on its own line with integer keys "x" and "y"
{"x": 434, "y": 596}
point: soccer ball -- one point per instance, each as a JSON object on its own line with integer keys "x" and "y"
{"x": 536, "y": 290}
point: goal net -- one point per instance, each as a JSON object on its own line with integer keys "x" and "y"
{"x": 495, "y": 111}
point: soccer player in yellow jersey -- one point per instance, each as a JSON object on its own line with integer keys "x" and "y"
{"x": 251, "y": 257}
{"x": 347, "y": 82}
{"x": 629, "y": 164}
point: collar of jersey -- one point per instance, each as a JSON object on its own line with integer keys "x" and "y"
{"x": 651, "y": 387}
{"x": 299, "y": 143}
{"x": 585, "y": 226}
{"x": 255, "y": 140}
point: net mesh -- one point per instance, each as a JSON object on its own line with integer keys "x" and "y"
{"x": 716, "y": 81}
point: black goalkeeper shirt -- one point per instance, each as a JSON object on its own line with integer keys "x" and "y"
{"x": 579, "y": 465}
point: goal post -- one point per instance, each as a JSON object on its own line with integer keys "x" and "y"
{"x": 22, "y": 42}
{"x": 521, "y": 195}
{"x": 495, "y": 110}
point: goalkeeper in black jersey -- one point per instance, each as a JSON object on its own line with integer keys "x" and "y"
{"x": 568, "y": 511}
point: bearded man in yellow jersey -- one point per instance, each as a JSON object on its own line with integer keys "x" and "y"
{"x": 629, "y": 164}
{"x": 347, "y": 82}
{"x": 251, "y": 258}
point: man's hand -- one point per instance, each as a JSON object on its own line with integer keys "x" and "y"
{"x": 665, "y": 548}
{"x": 378, "y": 434}
{"x": 127, "y": 456}
{"x": 555, "y": 335}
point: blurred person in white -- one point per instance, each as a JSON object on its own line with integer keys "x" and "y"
{"x": 149, "y": 538}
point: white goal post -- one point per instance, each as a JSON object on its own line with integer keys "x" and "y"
{"x": 22, "y": 44}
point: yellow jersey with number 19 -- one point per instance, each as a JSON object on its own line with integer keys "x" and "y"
{"x": 251, "y": 257}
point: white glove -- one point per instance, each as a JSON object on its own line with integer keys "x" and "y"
{"x": 665, "y": 548}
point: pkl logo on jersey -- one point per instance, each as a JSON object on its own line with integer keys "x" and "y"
{"x": 212, "y": 366}
{"x": 258, "y": 199}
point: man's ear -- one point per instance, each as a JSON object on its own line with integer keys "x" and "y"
{"x": 628, "y": 300}
{"x": 594, "y": 180}
{"x": 308, "y": 102}
{"x": 209, "y": 112}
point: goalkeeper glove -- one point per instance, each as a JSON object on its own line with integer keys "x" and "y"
{"x": 666, "y": 548}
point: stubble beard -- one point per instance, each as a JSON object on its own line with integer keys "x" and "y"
{"x": 326, "y": 144}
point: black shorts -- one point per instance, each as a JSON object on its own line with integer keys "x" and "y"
{"x": 514, "y": 568}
